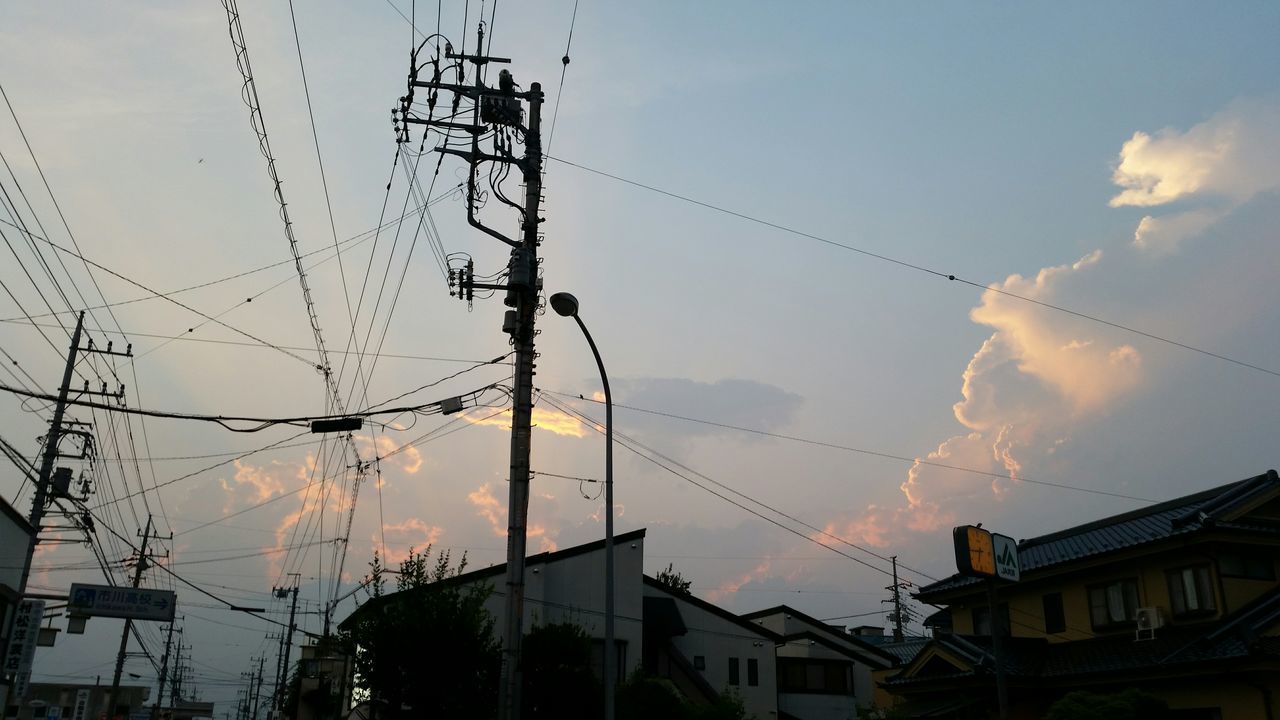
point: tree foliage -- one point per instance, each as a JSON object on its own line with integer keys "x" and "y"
{"x": 673, "y": 579}
{"x": 644, "y": 697}
{"x": 558, "y": 682}
{"x": 429, "y": 651}
{"x": 1132, "y": 704}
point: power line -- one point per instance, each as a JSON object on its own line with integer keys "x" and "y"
{"x": 564, "y": 66}
{"x": 849, "y": 448}
{"x": 262, "y": 423}
{"x": 990, "y": 287}
{"x": 238, "y": 343}
{"x": 632, "y": 445}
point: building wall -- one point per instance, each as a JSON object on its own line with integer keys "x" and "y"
{"x": 805, "y": 706}
{"x": 1026, "y": 607}
{"x": 716, "y": 639}
{"x": 864, "y": 684}
{"x": 14, "y": 542}
{"x": 571, "y": 590}
{"x": 44, "y": 696}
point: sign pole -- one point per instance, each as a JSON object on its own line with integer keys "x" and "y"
{"x": 997, "y": 633}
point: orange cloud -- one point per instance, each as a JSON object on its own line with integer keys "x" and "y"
{"x": 413, "y": 533}
{"x": 729, "y": 587}
{"x": 543, "y": 419}
{"x": 488, "y": 507}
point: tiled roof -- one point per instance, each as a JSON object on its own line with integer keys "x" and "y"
{"x": 1180, "y": 516}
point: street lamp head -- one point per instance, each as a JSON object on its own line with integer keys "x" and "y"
{"x": 564, "y": 304}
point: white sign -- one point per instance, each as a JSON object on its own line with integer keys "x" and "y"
{"x": 136, "y": 603}
{"x": 81, "y": 709}
{"x": 1006, "y": 556}
{"x": 22, "y": 646}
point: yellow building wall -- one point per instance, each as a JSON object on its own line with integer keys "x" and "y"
{"x": 1026, "y": 606}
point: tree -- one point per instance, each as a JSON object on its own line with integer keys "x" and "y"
{"x": 428, "y": 650}
{"x": 673, "y": 579}
{"x": 1132, "y": 704}
{"x": 558, "y": 682}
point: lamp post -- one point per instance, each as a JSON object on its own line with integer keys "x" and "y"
{"x": 566, "y": 305}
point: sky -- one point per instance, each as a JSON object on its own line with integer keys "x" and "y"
{"x": 1101, "y": 182}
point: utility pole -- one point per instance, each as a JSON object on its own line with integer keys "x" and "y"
{"x": 143, "y": 562}
{"x": 175, "y": 680}
{"x": 501, "y": 108}
{"x": 257, "y": 690}
{"x": 282, "y": 678}
{"x": 50, "y": 454}
{"x": 164, "y": 672}
{"x": 896, "y": 588}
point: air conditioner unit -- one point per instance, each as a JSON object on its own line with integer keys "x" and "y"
{"x": 1148, "y": 620}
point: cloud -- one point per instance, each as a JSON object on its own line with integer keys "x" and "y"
{"x": 552, "y": 421}
{"x": 1030, "y": 382}
{"x": 1166, "y": 233}
{"x": 1221, "y": 162}
{"x": 252, "y": 484}
{"x": 488, "y": 507}
{"x": 1062, "y": 353}
{"x": 401, "y": 537}
{"x": 731, "y": 401}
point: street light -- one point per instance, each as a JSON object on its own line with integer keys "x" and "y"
{"x": 566, "y": 305}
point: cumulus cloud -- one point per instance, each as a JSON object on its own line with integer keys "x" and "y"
{"x": 1038, "y": 374}
{"x": 1220, "y": 163}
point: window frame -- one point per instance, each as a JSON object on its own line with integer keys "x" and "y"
{"x": 1201, "y": 579}
{"x": 735, "y": 671}
{"x": 753, "y": 672}
{"x": 1262, "y": 566}
{"x": 1122, "y": 584}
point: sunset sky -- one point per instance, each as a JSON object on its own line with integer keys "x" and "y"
{"x": 1108, "y": 173}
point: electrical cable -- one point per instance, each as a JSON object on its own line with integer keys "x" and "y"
{"x": 991, "y": 287}
{"x": 848, "y": 448}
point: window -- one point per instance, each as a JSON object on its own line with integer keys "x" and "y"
{"x": 733, "y": 671}
{"x": 1250, "y": 567}
{"x": 753, "y": 672}
{"x": 804, "y": 675}
{"x": 982, "y": 619}
{"x": 1190, "y": 592}
{"x": 1055, "y": 620}
{"x": 699, "y": 662}
{"x": 1114, "y": 604}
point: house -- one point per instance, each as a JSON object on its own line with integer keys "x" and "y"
{"x": 324, "y": 679}
{"x": 1178, "y": 599}
{"x": 822, "y": 670}
{"x": 16, "y": 535}
{"x": 69, "y": 700}
{"x": 706, "y": 650}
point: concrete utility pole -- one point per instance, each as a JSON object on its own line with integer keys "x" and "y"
{"x": 164, "y": 672}
{"x": 282, "y": 679}
{"x": 128, "y": 623}
{"x": 257, "y": 690}
{"x": 896, "y": 588}
{"x": 500, "y": 107}
{"x": 50, "y": 454}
